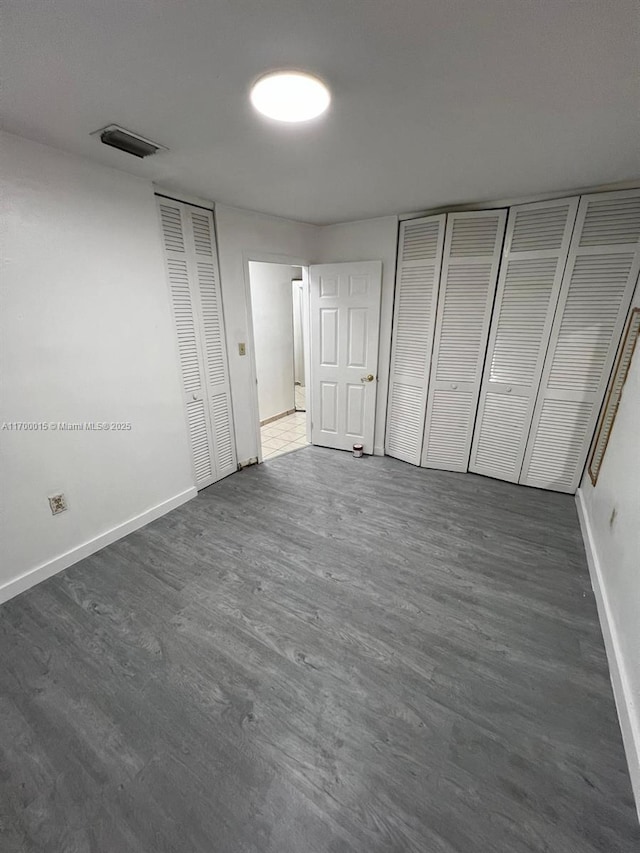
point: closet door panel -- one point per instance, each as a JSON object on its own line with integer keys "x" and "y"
{"x": 535, "y": 252}
{"x": 207, "y": 282}
{"x": 498, "y": 446}
{"x": 200, "y": 438}
{"x": 596, "y": 292}
{"x": 470, "y": 264}
{"x": 178, "y": 264}
{"x": 192, "y": 272}
{"x": 418, "y": 274}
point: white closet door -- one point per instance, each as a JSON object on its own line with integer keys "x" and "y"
{"x": 193, "y": 282}
{"x": 417, "y": 277}
{"x": 601, "y": 273}
{"x": 471, "y": 258}
{"x": 535, "y": 252}
{"x": 213, "y": 339}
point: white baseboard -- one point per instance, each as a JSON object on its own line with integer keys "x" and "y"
{"x": 378, "y": 450}
{"x": 277, "y": 417}
{"x": 46, "y": 570}
{"x": 628, "y": 714}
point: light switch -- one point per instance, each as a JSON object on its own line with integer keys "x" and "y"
{"x": 242, "y": 349}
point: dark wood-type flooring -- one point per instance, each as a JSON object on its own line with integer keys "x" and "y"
{"x": 319, "y": 654}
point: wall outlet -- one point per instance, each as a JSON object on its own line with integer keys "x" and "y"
{"x": 58, "y": 504}
{"x": 242, "y": 349}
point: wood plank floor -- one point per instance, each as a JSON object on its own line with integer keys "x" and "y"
{"x": 318, "y": 654}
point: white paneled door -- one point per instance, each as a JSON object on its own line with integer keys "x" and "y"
{"x": 535, "y": 252}
{"x": 345, "y": 323}
{"x": 194, "y": 284}
{"x": 471, "y": 258}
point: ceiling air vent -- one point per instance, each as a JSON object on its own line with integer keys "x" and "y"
{"x": 125, "y": 140}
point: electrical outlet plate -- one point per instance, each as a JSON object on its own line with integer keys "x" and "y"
{"x": 57, "y": 503}
{"x": 242, "y": 349}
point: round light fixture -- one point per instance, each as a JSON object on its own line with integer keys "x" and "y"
{"x": 290, "y": 96}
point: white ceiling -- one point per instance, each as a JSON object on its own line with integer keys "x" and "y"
{"x": 435, "y": 102}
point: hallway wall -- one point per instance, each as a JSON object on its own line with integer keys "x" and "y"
{"x": 272, "y": 310}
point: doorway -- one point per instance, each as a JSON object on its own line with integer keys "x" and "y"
{"x": 279, "y": 327}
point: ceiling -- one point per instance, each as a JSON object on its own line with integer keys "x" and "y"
{"x": 435, "y": 102}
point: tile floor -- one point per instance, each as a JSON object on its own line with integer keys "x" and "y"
{"x": 285, "y": 434}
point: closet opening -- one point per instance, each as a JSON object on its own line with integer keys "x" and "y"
{"x": 279, "y": 318}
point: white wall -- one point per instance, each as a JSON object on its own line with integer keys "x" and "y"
{"x": 610, "y": 514}
{"x": 86, "y": 336}
{"x": 369, "y": 240}
{"x": 245, "y": 236}
{"x": 272, "y": 310}
{"x": 298, "y": 332}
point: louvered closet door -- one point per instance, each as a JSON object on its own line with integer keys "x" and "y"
{"x": 417, "y": 277}
{"x": 601, "y": 273}
{"x": 534, "y": 257}
{"x": 200, "y": 223}
{"x": 193, "y": 281}
{"x": 471, "y": 258}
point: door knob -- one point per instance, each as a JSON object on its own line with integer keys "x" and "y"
{"x": 194, "y": 395}
{"x": 368, "y": 378}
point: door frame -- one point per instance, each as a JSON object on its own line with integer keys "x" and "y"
{"x": 288, "y": 260}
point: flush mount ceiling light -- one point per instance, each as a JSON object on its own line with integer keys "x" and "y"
{"x": 290, "y": 96}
